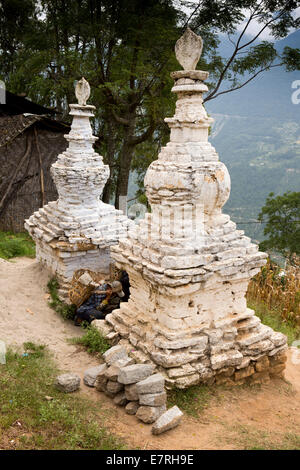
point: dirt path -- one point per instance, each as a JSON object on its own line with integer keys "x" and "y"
{"x": 235, "y": 419}
{"x": 26, "y": 316}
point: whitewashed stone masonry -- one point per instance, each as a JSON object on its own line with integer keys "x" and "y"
{"x": 77, "y": 230}
{"x": 188, "y": 265}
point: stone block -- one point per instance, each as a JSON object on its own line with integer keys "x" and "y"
{"x": 114, "y": 387}
{"x": 135, "y": 373}
{"x": 153, "y": 399}
{"x": 242, "y": 373}
{"x": 90, "y": 375}
{"x": 183, "y": 371}
{"x": 132, "y": 407}
{"x": 120, "y": 399}
{"x": 168, "y": 420}
{"x": 262, "y": 364}
{"x": 149, "y": 414}
{"x": 228, "y": 358}
{"x": 185, "y": 382}
{"x": 131, "y": 392}
{"x": 67, "y": 382}
{"x": 101, "y": 381}
{"x": 114, "y": 354}
{"x": 112, "y": 373}
{"x": 153, "y": 384}
{"x": 102, "y": 326}
{"x": 277, "y": 370}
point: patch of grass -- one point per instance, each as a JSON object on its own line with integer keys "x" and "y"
{"x": 33, "y": 349}
{"x": 29, "y": 421}
{"x": 65, "y": 310}
{"x": 191, "y": 401}
{"x": 248, "y": 437}
{"x": 92, "y": 340}
{"x": 16, "y": 244}
{"x": 273, "y": 319}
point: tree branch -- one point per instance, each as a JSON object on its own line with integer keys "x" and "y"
{"x": 208, "y": 98}
{"x": 213, "y": 93}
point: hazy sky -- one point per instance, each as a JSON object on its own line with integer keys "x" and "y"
{"x": 255, "y": 26}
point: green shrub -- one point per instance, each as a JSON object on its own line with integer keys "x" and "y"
{"x": 16, "y": 244}
{"x": 273, "y": 318}
{"x": 92, "y": 340}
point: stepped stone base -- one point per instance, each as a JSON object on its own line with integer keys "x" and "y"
{"x": 189, "y": 348}
{"x": 63, "y": 250}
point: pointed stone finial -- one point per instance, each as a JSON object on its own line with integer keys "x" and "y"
{"x": 188, "y": 49}
{"x": 82, "y": 91}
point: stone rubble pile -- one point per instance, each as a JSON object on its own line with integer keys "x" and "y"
{"x": 137, "y": 387}
{"x": 76, "y": 231}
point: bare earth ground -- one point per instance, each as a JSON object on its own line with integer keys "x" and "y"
{"x": 263, "y": 417}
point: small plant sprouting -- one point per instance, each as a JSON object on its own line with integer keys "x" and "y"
{"x": 65, "y": 310}
{"x": 92, "y": 340}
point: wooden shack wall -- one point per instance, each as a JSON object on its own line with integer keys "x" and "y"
{"x": 25, "y": 195}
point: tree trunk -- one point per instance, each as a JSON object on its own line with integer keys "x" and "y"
{"x": 126, "y": 155}
{"x": 110, "y": 158}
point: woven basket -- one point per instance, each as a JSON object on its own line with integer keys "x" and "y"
{"x": 79, "y": 293}
{"x": 115, "y": 273}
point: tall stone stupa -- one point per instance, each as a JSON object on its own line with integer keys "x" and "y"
{"x": 188, "y": 265}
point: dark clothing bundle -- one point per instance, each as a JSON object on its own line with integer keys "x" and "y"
{"x": 124, "y": 279}
{"x": 95, "y": 309}
{"x": 90, "y": 309}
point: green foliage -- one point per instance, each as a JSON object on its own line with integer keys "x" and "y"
{"x": 274, "y": 319}
{"x": 35, "y": 350}
{"x": 191, "y": 401}
{"x": 65, "y": 310}
{"x": 126, "y": 51}
{"x": 282, "y": 216}
{"x": 16, "y": 244}
{"x": 64, "y": 421}
{"x": 291, "y": 58}
{"x": 92, "y": 340}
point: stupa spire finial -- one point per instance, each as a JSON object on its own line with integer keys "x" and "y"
{"x": 188, "y": 49}
{"x": 82, "y": 91}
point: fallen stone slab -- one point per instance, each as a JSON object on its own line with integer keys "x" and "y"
{"x": 90, "y": 375}
{"x": 168, "y": 420}
{"x": 135, "y": 373}
{"x": 153, "y": 384}
{"x": 149, "y": 414}
{"x": 153, "y": 399}
{"x": 114, "y": 354}
{"x": 132, "y": 407}
{"x": 67, "y": 382}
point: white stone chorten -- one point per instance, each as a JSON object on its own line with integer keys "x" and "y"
{"x": 77, "y": 230}
{"x": 188, "y": 266}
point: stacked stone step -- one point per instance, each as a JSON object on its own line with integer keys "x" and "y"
{"x": 136, "y": 387}
{"x": 237, "y": 350}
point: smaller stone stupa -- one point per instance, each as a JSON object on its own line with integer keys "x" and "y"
{"x": 77, "y": 230}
